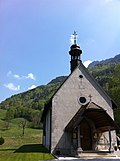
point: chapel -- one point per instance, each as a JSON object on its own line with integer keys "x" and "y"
{"x": 79, "y": 117}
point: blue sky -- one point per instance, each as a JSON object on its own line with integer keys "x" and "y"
{"x": 35, "y": 38}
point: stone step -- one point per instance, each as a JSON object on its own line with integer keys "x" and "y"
{"x": 97, "y": 155}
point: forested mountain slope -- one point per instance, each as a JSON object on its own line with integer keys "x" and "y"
{"x": 29, "y": 104}
{"x": 113, "y": 60}
{"x": 108, "y": 76}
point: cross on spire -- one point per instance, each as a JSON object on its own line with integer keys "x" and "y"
{"x": 75, "y": 37}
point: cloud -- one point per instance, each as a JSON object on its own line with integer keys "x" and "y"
{"x": 86, "y": 63}
{"x": 30, "y": 76}
{"x": 16, "y": 76}
{"x": 12, "y": 87}
{"x": 32, "y": 87}
{"x": 10, "y": 74}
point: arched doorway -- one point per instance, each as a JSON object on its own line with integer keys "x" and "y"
{"x": 85, "y": 135}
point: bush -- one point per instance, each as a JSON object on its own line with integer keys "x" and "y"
{"x": 2, "y": 140}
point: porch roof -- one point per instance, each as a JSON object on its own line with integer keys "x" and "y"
{"x": 102, "y": 121}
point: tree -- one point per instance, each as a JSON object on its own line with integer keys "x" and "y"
{"x": 35, "y": 118}
{"x": 114, "y": 90}
{"x": 23, "y": 126}
{"x": 9, "y": 115}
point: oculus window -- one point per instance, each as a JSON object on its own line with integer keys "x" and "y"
{"x": 82, "y": 99}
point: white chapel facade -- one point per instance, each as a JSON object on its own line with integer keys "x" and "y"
{"x": 79, "y": 116}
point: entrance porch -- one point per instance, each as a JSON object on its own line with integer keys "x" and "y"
{"x": 92, "y": 130}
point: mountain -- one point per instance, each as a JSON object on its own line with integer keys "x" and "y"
{"x": 29, "y": 104}
{"x": 34, "y": 98}
{"x": 115, "y": 60}
{"x": 59, "y": 80}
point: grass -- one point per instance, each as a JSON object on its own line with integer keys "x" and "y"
{"x": 17, "y": 148}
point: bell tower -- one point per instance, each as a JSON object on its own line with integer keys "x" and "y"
{"x": 75, "y": 53}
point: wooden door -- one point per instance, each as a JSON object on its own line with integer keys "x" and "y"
{"x": 85, "y": 134}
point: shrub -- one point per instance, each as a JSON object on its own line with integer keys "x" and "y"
{"x": 2, "y": 140}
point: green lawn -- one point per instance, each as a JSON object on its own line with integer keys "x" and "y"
{"x": 17, "y": 148}
{"x": 23, "y": 149}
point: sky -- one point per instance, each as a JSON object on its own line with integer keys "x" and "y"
{"x": 35, "y": 39}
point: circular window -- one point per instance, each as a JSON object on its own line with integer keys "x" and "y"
{"x": 82, "y": 99}
{"x": 80, "y": 76}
